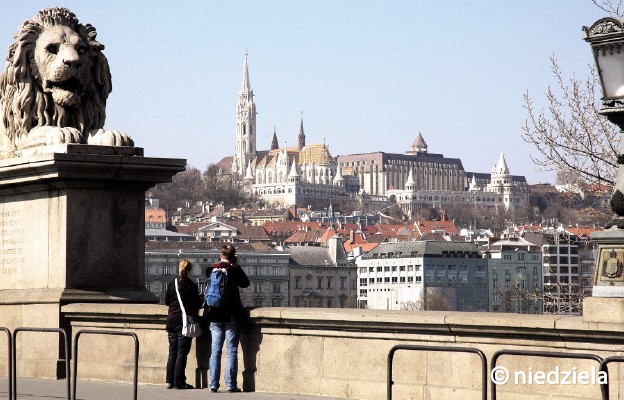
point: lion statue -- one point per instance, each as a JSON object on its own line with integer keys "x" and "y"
{"x": 54, "y": 86}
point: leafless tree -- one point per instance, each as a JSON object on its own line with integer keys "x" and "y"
{"x": 613, "y": 7}
{"x": 431, "y": 299}
{"x": 572, "y": 138}
{"x": 563, "y": 298}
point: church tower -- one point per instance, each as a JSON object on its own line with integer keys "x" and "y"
{"x": 245, "y": 148}
{"x": 301, "y": 138}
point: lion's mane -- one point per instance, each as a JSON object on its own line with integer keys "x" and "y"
{"x": 24, "y": 103}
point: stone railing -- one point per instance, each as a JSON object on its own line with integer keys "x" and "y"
{"x": 344, "y": 352}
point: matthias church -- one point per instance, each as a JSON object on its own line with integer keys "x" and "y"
{"x": 416, "y": 179}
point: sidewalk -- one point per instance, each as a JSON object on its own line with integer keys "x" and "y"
{"x": 37, "y": 389}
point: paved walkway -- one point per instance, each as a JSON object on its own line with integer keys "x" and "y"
{"x": 36, "y": 389}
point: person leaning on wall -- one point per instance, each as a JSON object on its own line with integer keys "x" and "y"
{"x": 225, "y": 320}
{"x": 180, "y": 345}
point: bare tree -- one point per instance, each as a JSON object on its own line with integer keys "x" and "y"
{"x": 572, "y": 138}
{"x": 613, "y": 7}
{"x": 432, "y": 299}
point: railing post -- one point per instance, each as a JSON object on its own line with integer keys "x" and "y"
{"x": 484, "y": 374}
{"x": 14, "y": 355}
{"x": 114, "y": 333}
{"x": 548, "y": 354}
{"x": 10, "y": 361}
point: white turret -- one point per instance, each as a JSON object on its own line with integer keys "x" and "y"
{"x": 410, "y": 184}
{"x": 339, "y": 179}
{"x": 294, "y": 176}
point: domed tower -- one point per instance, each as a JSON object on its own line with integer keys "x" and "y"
{"x": 245, "y": 148}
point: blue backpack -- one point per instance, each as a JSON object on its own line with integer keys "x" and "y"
{"x": 215, "y": 290}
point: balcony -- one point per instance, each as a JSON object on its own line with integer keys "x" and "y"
{"x": 343, "y": 352}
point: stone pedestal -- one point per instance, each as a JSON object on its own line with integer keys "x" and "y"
{"x": 72, "y": 229}
{"x": 607, "y": 302}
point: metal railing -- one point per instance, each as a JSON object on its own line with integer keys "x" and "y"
{"x": 604, "y": 387}
{"x": 14, "y": 355}
{"x": 115, "y": 333}
{"x": 9, "y": 362}
{"x": 528, "y": 353}
{"x": 484, "y": 374}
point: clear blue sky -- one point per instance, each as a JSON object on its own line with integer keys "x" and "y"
{"x": 368, "y": 75}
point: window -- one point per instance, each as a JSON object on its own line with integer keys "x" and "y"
{"x": 277, "y": 271}
{"x": 277, "y": 287}
{"x": 148, "y": 286}
{"x": 297, "y": 282}
{"x": 163, "y": 286}
{"x": 343, "y": 282}
{"x": 386, "y": 269}
{"x": 410, "y": 279}
{"x": 319, "y": 283}
{"x": 363, "y": 292}
{"x": 410, "y": 268}
{"x": 387, "y": 279}
{"x": 258, "y": 271}
{"x": 402, "y": 279}
{"x": 257, "y": 302}
{"x": 395, "y": 279}
{"x": 329, "y": 303}
{"x": 276, "y": 302}
{"x": 329, "y": 282}
{"x": 166, "y": 270}
{"x": 520, "y": 256}
{"x": 363, "y": 282}
{"x": 257, "y": 287}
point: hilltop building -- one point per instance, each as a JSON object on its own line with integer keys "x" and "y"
{"x": 287, "y": 175}
{"x": 305, "y": 172}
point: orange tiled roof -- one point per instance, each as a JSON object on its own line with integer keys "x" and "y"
{"x": 311, "y": 236}
{"x": 155, "y": 215}
{"x": 427, "y": 226}
{"x": 581, "y": 231}
{"x": 315, "y": 154}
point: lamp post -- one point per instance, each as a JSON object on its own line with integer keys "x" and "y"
{"x": 606, "y": 37}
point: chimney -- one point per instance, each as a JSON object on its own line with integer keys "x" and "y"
{"x": 293, "y": 210}
{"x": 351, "y": 235}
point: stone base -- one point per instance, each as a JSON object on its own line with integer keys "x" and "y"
{"x": 604, "y": 310}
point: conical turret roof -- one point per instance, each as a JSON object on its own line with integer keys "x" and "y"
{"x": 501, "y": 166}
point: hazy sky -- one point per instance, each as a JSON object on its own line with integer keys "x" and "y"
{"x": 368, "y": 75}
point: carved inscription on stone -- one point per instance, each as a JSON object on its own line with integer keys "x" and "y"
{"x": 11, "y": 239}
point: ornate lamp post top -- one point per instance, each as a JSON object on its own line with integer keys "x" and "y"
{"x": 606, "y": 37}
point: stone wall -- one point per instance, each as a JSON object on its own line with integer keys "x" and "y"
{"x": 343, "y": 353}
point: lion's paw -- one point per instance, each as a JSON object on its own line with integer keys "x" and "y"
{"x": 103, "y": 137}
{"x": 51, "y": 135}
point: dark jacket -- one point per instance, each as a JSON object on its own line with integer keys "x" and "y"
{"x": 233, "y": 309}
{"x": 190, "y": 297}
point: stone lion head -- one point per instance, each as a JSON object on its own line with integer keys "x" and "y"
{"x": 55, "y": 76}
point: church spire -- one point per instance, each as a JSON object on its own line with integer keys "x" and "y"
{"x": 245, "y": 148}
{"x": 301, "y": 134}
{"x": 274, "y": 143}
{"x": 245, "y": 87}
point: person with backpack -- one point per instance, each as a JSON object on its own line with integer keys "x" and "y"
{"x": 182, "y": 287}
{"x": 225, "y": 311}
